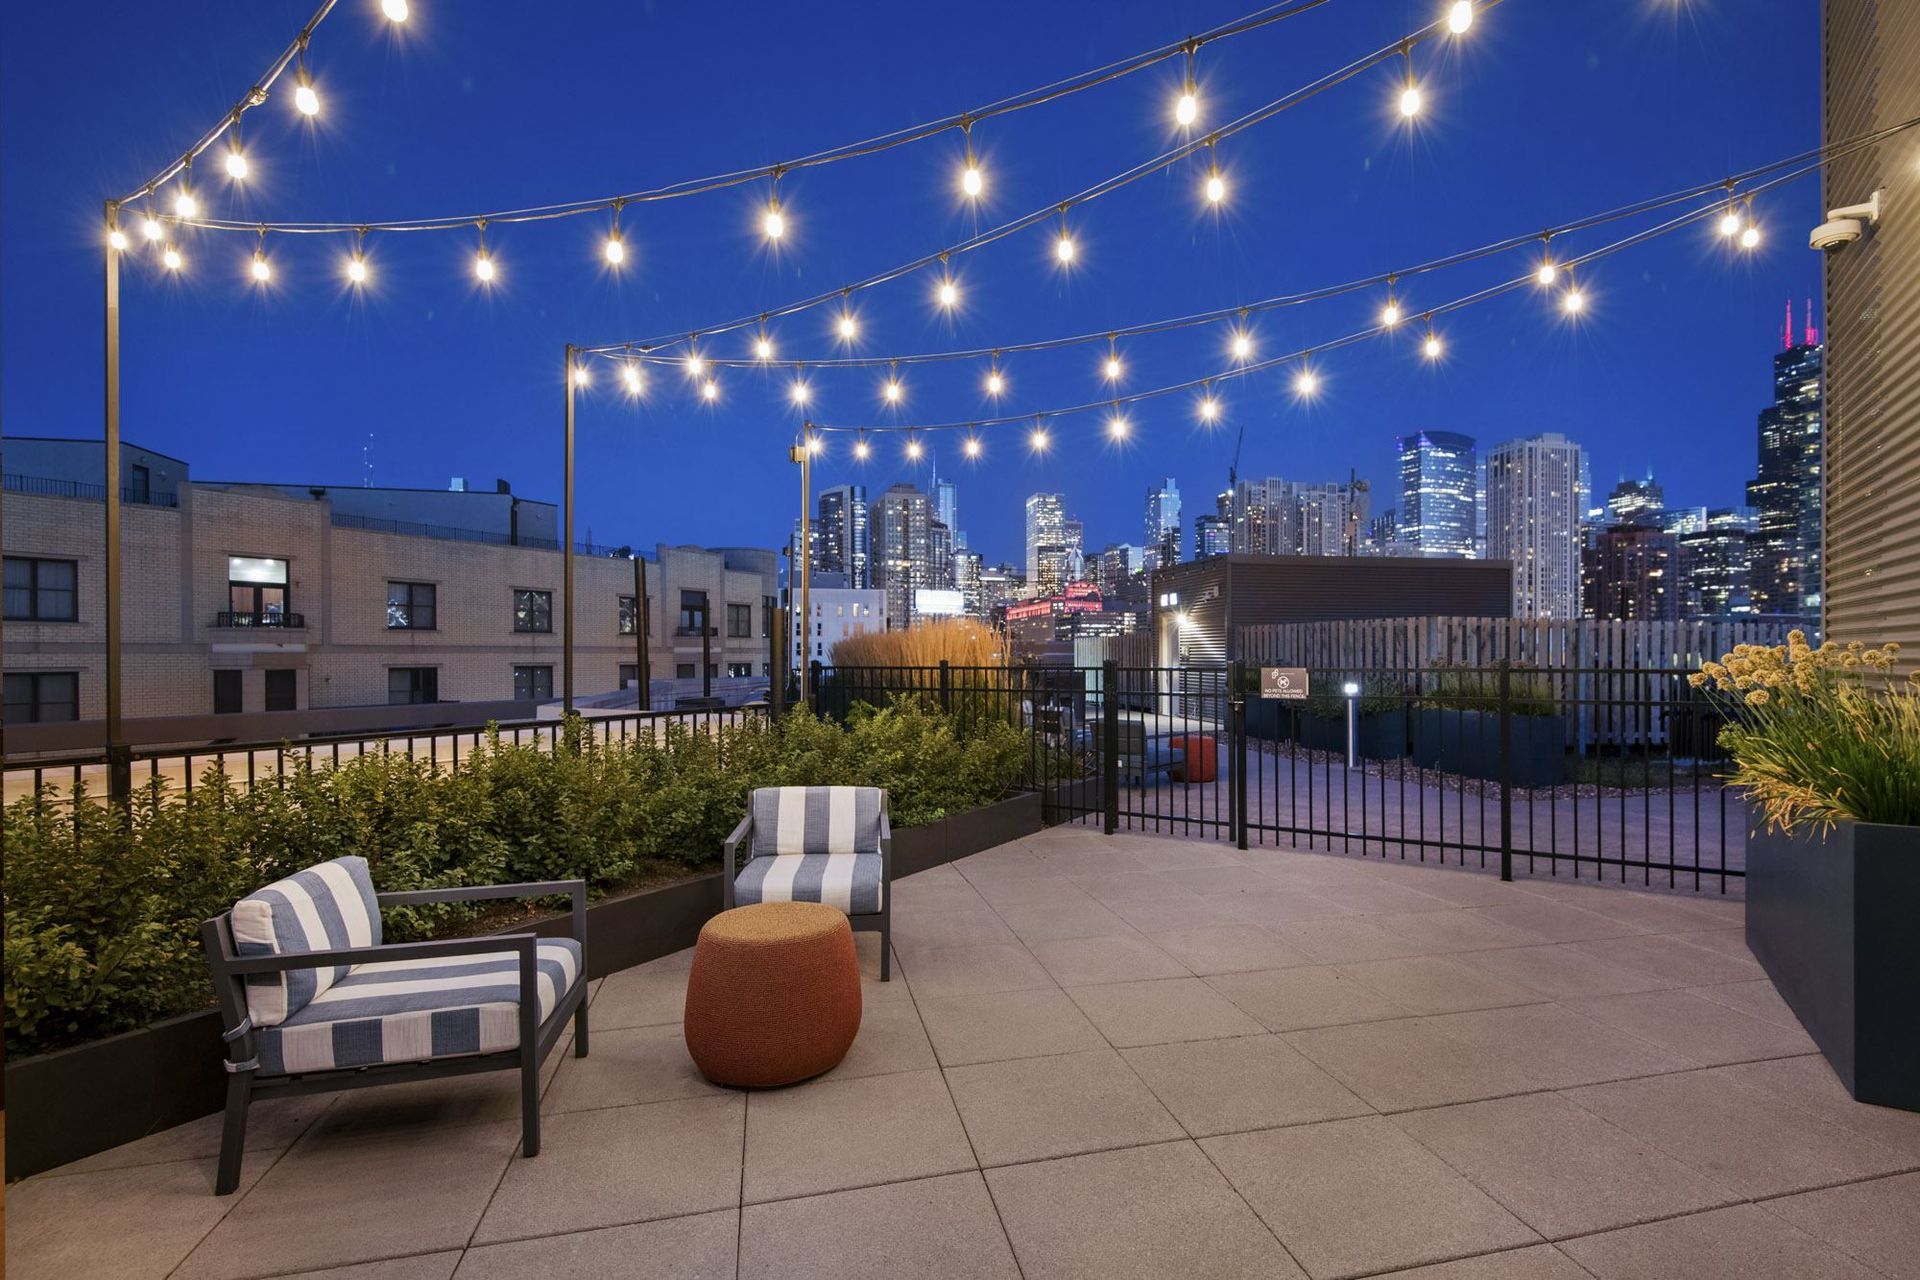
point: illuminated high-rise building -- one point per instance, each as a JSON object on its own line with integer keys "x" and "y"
{"x": 1785, "y": 492}
{"x": 1163, "y": 525}
{"x": 1046, "y": 544}
{"x": 1439, "y": 479}
{"x": 1536, "y": 495}
{"x": 840, "y": 536}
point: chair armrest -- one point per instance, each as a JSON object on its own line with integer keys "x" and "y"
{"x": 240, "y": 966}
{"x": 886, "y": 841}
{"x": 574, "y": 889}
{"x": 729, "y": 858}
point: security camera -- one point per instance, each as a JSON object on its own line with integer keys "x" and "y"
{"x": 1844, "y": 226}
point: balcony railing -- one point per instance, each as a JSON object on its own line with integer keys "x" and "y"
{"x": 13, "y": 482}
{"x": 275, "y": 618}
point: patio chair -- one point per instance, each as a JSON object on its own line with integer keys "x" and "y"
{"x": 314, "y": 1001}
{"x": 1144, "y": 755}
{"x": 832, "y": 845}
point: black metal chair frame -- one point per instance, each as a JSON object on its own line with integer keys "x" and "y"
{"x": 245, "y": 1081}
{"x": 880, "y": 921}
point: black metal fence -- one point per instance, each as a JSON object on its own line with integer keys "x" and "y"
{"x": 1598, "y": 774}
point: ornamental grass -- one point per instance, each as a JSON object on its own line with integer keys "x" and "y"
{"x": 1820, "y": 735}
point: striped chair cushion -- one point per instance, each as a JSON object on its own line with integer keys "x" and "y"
{"x": 324, "y": 907}
{"x": 849, "y": 881}
{"x": 413, "y": 1010}
{"x": 803, "y": 820}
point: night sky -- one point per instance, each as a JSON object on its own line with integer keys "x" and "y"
{"x": 1547, "y": 110}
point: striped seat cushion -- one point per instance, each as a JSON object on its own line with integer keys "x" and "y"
{"x": 806, "y": 820}
{"x": 849, "y": 881}
{"x": 325, "y": 907}
{"x": 413, "y": 1010}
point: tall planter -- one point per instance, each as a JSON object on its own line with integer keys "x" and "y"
{"x": 1468, "y": 743}
{"x": 1381, "y": 735}
{"x": 1831, "y": 918}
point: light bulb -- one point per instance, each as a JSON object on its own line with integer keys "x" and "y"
{"x": 913, "y": 450}
{"x": 972, "y": 447}
{"x": 1117, "y": 427}
{"x": 357, "y": 269}
{"x": 971, "y": 182}
{"x": 118, "y": 239}
{"x": 1038, "y": 440}
{"x": 894, "y": 391}
{"x": 1216, "y": 187}
{"x": 580, "y": 375}
{"x": 1729, "y": 224}
{"x": 695, "y": 366}
{"x": 1460, "y": 17}
{"x": 709, "y": 390}
{"x": 1410, "y": 101}
{"x": 1306, "y": 383}
{"x": 616, "y": 250}
{"x": 306, "y": 99}
{"x": 1390, "y": 315}
{"x": 1113, "y": 368}
{"x": 396, "y": 10}
{"x": 1242, "y": 347}
{"x": 236, "y": 164}
{"x": 776, "y": 222}
{"x": 1750, "y": 237}
{"x": 150, "y": 227}
{"x": 1209, "y": 409}
{"x": 1187, "y": 109}
{"x": 261, "y": 271}
{"x": 949, "y": 294}
{"x": 172, "y": 258}
{"x": 483, "y": 267}
{"x": 813, "y": 444}
{"x": 185, "y": 205}
{"x": 1063, "y": 247}
{"x": 635, "y": 383}
{"x": 763, "y": 348}
{"x": 1546, "y": 273}
{"x": 861, "y": 449}
{"x": 800, "y": 392}
{"x": 995, "y": 383}
{"x": 848, "y": 326}
{"x": 1573, "y": 301}
{"x": 1431, "y": 347}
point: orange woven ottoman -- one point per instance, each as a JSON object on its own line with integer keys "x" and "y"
{"x": 774, "y": 995}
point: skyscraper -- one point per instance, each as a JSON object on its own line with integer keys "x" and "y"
{"x": 1714, "y": 565}
{"x": 1074, "y": 535}
{"x": 901, "y": 549}
{"x": 1163, "y": 524}
{"x": 1636, "y": 502}
{"x": 1331, "y": 517}
{"x": 1631, "y": 571}
{"x": 1785, "y": 493}
{"x": 1266, "y": 517}
{"x": 841, "y": 541}
{"x": 1046, "y": 544}
{"x": 1536, "y": 492}
{"x": 1212, "y": 535}
{"x": 1439, "y": 482}
{"x": 946, "y": 509}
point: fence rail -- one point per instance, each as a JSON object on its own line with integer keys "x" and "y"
{"x": 1593, "y": 644}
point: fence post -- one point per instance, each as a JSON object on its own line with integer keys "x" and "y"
{"x": 812, "y": 700}
{"x": 1506, "y": 769}
{"x": 1237, "y": 748}
{"x": 946, "y": 688}
{"x": 1110, "y": 745}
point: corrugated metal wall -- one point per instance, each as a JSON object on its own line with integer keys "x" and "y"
{"x": 1872, "y": 536}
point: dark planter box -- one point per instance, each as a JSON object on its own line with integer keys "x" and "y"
{"x": 1831, "y": 920}
{"x": 1468, "y": 743}
{"x": 74, "y": 1102}
{"x": 1382, "y": 735}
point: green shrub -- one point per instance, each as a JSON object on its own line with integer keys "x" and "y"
{"x": 1461, "y": 687}
{"x": 103, "y": 909}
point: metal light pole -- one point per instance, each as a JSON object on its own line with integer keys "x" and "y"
{"x": 1352, "y": 691}
{"x": 642, "y": 676}
{"x": 803, "y": 557}
{"x": 119, "y": 762}
{"x": 566, "y": 552}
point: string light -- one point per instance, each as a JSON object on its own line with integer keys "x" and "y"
{"x": 1216, "y": 187}
{"x": 305, "y": 100}
{"x": 1460, "y": 17}
{"x": 800, "y": 391}
{"x": 1573, "y": 301}
{"x": 171, "y": 257}
{"x": 893, "y": 391}
{"x": 1729, "y": 223}
{"x": 582, "y": 376}
{"x": 775, "y": 221}
{"x": 1411, "y": 99}
{"x": 615, "y": 248}
{"x": 696, "y": 365}
{"x": 1306, "y": 383}
{"x": 1242, "y": 345}
{"x": 848, "y": 327}
{"x": 150, "y": 226}
{"x": 357, "y": 264}
{"x": 1063, "y": 247}
{"x": 1390, "y": 314}
{"x": 636, "y": 380}
{"x": 709, "y": 390}
{"x": 972, "y": 446}
{"x": 1186, "y": 108}
{"x": 814, "y": 444}
{"x": 996, "y": 383}
{"x": 483, "y": 267}
{"x": 972, "y": 183}
{"x": 117, "y": 240}
{"x": 1117, "y": 425}
{"x": 237, "y": 167}
{"x": 763, "y": 347}
{"x": 914, "y": 450}
{"x": 396, "y": 10}
{"x": 1547, "y": 271}
{"x": 1431, "y": 347}
{"x": 861, "y": 449}
{"x": 1112, "y": 367}
{"x": 262, "y": 270}
{"x": 1750, "y": 238}
{"x": 184, "y": 203}
{"x": 1038, "y": 439}
{"x": 948, "y": 293}
{"x": 1209, "y": 409}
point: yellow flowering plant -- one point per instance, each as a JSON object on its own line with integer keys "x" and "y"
{"x": 1820, "y": 735}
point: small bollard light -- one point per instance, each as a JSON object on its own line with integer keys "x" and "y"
{"x": 1352, "y": 690}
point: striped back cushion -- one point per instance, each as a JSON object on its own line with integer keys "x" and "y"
{"x": 816, "y": 820}
{"x": 319, "y": 909}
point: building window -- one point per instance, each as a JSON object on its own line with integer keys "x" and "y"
{"x": 257, "y": 591}
{"x": 533, "y": 684}
{"x": 41, "y": 590}
{"x": 226, "y": 692}
{"x": 629, "y": 616}
{"x": 739, "y": 669}
{"x": 141, "y": 490}
{"x": 532, "y": 610}
{"x": 36, "y": 697}
{"x": 408, "y": 685}
{"x": 283, "y": 690}
{"x": 684, "y": 671}
{"x": 740, "y": 622}
{"x": 629, "y": 674}
{"x": 693, "y": 612}
{"x": 411, "y": 606}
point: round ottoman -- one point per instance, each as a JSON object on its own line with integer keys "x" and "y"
{"x": 774, "y": 995}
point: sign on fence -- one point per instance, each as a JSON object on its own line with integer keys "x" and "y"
{"x": 1289, "y": 683}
